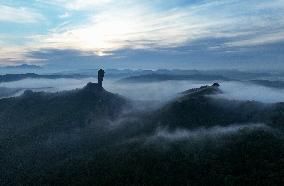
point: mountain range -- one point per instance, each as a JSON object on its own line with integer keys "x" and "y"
{"x": 17, "y": 77}
{"x": 90, "y": 136}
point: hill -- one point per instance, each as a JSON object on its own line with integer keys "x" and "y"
{"x": 92, "y": 137}
{"x": 268, "y": 83}
{"x": 196, "y": 108}
{"x": 23, "y": 66}
{"x": 17, "y": 77}
{"x": 166, "y": 77}
{"x": 204, "y": 90}
{"x": 36, "y": 115}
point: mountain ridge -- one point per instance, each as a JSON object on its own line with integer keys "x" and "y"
{"x": 166, "y": 77}
{"x": 18, "y": 77}
{"x": 83, "y": 137}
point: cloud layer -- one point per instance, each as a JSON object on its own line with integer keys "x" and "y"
{"x": 19, "y": 14}
{"x": 103, "y": 27}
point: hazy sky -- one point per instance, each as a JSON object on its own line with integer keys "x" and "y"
{"x": 143, "y": 33}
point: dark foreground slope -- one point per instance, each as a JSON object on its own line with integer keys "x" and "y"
{"x": 193, "y": 140}
{"x": 30, "y": 123}
{"x": 67, "y": 108}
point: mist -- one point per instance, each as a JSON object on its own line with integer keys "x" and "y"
{"x": 247, "y": 91}
{"x": 216, "y": 132}
{"x": 49, "y": 85}
{"x": 158, "y": 91}
{"x": 67, "y": 139}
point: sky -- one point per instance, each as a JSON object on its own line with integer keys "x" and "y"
{"x": 149, "y": 34}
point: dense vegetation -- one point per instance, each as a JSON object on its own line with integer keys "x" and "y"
{"x": 93, "y": 137}
{"x": 7, "y": 92}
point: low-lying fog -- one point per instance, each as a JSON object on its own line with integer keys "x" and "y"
{"x": 250, "y": 91}
{"x": 159, "y": 91}
{"x": 213, "y": 132}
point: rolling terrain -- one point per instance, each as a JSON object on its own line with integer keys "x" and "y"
{"x": 17, "y": 77}
{"x": 167, "y": 77}
{"x": 90, "y": 136}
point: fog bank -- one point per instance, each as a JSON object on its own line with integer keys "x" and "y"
{"x": 159, "y": 91}
{"x": 212, "y": 132}
{"x": 248, "y": 91}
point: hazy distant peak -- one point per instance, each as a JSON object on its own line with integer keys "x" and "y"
{"x": 23, "y": 66}
{"x": 154, "y": 77}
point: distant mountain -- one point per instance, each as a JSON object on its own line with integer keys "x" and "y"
{"x": 230, "y": 74}
{"x": 23, "y": 66}
{"x": 17, "y": 77}
{"x": 167, "y": 77}
{"x": 268, "y": 83}
{"x": 239, "y": 75}
{"x": 111, "y": 73}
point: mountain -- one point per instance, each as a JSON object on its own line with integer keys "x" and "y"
{"x": 90, "y": 136}
{"x": 269, "y": 83}
{"x": 34, "y": 115}
{"x": 167, "y": 77}
{"x": 17, "y": 77}
{"x": 204, "y": 90}
{"x": 111, "y": 73}
{"x": 23, "y": 66}
{"x": 197, "y": 108}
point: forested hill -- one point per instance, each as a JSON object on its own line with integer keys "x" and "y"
{"x": 84, "y": 137}
{"x": 197, "y": 108}
{"x": 36, "y": 114}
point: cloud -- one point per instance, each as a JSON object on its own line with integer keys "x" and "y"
{"x": 263, "y": 39}
{"x": 135, "y": 27}
{"x": 19, "y": 15}
{"x": 77, "y": 4}
{"x": 83, "y": 4}
{"x": 49, "y": 85}
{"x": 159, "y": 91}
{"x": 65, "y": 15}
{"x": 275, "y": 4}
{"x": 103, "y": 27}
{"x": 248, "y": 91}
{"x": 142, "y": 26}
{"x": 10, "y": 55}
{"x": 13, "y": 55}
{"x": 213, "y": 132}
